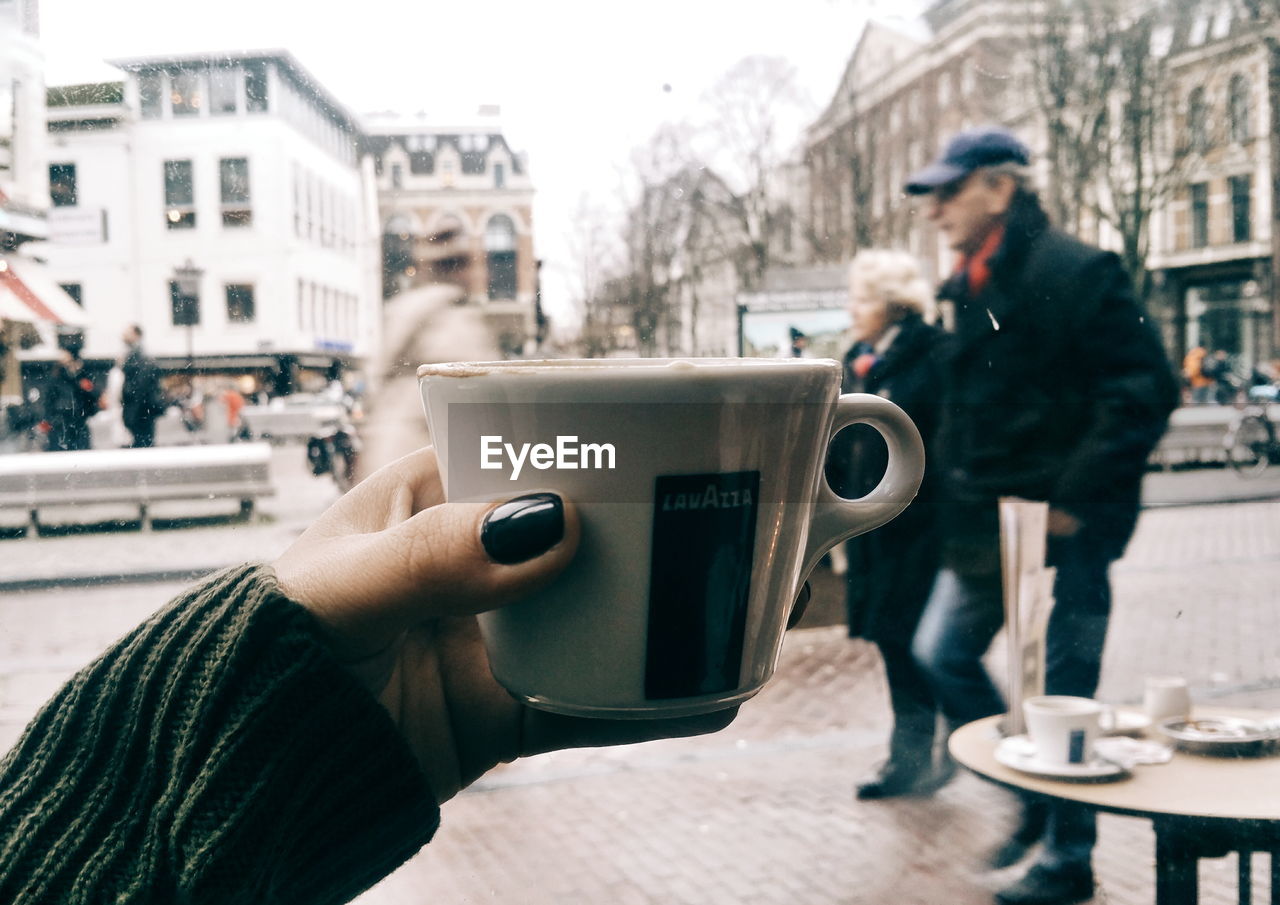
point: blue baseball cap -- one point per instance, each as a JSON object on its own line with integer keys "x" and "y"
{"x": 984, "y": 146}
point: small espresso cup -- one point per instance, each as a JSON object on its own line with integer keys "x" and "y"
{"x": 1165, "y": 697}
{"x": 700, "y": 490}
{"x": 1062, "y": 728}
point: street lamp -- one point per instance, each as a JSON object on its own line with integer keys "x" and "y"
{"x": 186, "y": 304}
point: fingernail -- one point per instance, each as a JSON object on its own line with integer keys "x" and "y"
{"x": 523, "y": 528}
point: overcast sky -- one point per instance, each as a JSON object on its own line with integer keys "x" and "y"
{"x": 580, "y": 82}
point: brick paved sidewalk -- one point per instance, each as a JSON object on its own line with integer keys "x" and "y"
{"x": 763, "y": 813}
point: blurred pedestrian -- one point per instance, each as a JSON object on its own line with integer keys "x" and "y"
{"x": 1217, "y": 368}
{"x": 799, "y": 343}
{"x": 891, "y": 570}
{"x": 1199, "y": 383}
{"x": 70, "y": 400}
{"x": 232, "y": 402}
{"x": 1057, "y": 389}
{"x": 141, "y": 397}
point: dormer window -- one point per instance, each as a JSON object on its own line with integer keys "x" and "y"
{"x": 255, "y": 87}
{"x": 186, "y": 94}
{"x": 499, "y": 175}
{"x": 222, "y": 91}
{"x": 151, "y": 95}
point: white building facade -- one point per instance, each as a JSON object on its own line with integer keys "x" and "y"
{"x": 33, "y": 310}
{"x": 236, "y": 176}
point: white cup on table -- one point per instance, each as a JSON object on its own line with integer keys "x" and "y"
{"x": 1166, "y": 697}
{"x": 1062, "y": 728}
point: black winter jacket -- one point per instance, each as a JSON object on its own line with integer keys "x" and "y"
{"x": 891, "y": 569}
{"x": 1057, "y": 389}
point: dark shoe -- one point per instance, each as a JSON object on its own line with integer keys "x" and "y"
{"x": 1008, "y": 854}
{"x": 893, "y": 780}
{"x": 1045, "y": 884}
{"x": 1035, "y": 816}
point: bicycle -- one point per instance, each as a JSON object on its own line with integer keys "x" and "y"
{"x": 1252, "y": 442}
{"x": 335, "y": 451}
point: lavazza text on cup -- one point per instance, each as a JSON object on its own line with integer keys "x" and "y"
{"x": 703, "y": 505}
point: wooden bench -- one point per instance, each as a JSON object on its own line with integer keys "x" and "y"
{"x": 280, "y": 424}
{"x": 1195, "y": 436}
{"x": 237, "y": 471}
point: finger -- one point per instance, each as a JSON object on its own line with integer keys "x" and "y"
{"x": 447, "y": 560}
{"x": 391, "y": 495}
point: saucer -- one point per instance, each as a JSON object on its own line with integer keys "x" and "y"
{"x": 1019, "y": 754}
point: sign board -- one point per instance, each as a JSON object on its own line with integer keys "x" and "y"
{"x": 78, "y": 225}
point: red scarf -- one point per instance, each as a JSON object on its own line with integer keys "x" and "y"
{"x": 977, "y": 267}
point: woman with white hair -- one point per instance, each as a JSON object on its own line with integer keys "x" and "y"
{"x": 891, "y": 570}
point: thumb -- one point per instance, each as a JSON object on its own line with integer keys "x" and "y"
{"x": 447, "y": 560}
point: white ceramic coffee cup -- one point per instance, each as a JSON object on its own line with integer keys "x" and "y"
{"x": 1062, "y": 728}
{"x": 698, "y": 526}
{"x": 1165, "y": 697}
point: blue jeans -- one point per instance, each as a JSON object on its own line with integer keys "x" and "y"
{"x": 961, "y": 619}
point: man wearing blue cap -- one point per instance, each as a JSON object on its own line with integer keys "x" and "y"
{"x": 1056, "y": 389}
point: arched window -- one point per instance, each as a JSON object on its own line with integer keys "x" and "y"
{"x": 500, "y": 253}
{"x": 1238, "y": 108}
{"x": 1197, "y": 120}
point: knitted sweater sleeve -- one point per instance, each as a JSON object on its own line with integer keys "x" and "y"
{"x": 217, "y": 754}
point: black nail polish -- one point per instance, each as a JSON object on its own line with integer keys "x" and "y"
{"x": 523, "y": 528}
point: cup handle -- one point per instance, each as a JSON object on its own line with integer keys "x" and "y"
{"x": 837, "y": 519}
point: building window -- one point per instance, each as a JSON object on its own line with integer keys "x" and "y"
{"x": 222, "y": 91}
{"x": 255, "y": 87}
{"x": 179, "y": 195}
{"x": 186, "y": 94}
{"x": 944, "y": 89}
{"x": 233, "y": 174}
{"x": 1200, "y": 215}
{"x": 151, "y": 95}
{"x": 499, "y": 176}
{"x": 1241, "y": 208}
{"x": 500, "y": 251}
{"x": 1198, "y": 120}
{"x": 240, "y": 303}
{"x": 75, "y": 290}
{"x": 186, "y": 308}
{"x": 397, "y": 176}
{"x": 62, "y": 184}
{"x": 1238, "y": 108}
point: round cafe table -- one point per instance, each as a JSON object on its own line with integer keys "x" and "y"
{"x": 1200, "y": 806}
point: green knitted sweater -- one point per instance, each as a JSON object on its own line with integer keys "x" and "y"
{"x": 216, "y": 754}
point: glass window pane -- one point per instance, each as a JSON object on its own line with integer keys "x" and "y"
{"x": 187, "y": 94}
{"x": 255, "y": 87}
{"x": 179, "y": 195}
{"x": 1241, "y": 208}
{"x": 1199, "y": 215}
{"x": 151, "y": 95}
{"x": 234, "y": 174}
{"x": 222, "y": 91}
{"x": 178, "y": 183}
{"x": 62, "y": 184}
{"x": 185, "y": 308}
{"x": 240, "y": 307}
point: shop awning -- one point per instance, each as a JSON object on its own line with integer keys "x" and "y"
{"x": 29, "y": 295}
